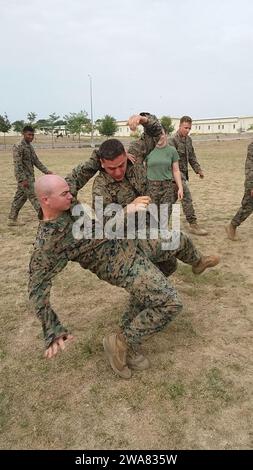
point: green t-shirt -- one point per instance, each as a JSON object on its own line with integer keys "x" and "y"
{"x": 159, "y": 163}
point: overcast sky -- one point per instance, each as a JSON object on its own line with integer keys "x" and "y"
{"x": 164, "y": 56}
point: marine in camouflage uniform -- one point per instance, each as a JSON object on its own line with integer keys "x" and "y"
{"x": 123, "y": 263}
{"x": 183, "y": 144}
{"x": 247, "y": 202}
{"x": 124, "y": 193}
{"x": 25, "y": 159}
{"x": 136, "y": 173}
{"x": 134, "y": 183}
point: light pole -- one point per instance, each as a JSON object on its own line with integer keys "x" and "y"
{"x": 91, "y": 113}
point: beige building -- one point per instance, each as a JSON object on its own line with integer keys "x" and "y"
{"x": 228, "y": 125}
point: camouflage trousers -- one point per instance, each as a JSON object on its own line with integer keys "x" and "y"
{"x": 245, "y": 210}
{"x": 20, "y": 198}
{"x": 154, "y": 301}
{"x": 186, "y": 202}
{"x": 162, "y": 192}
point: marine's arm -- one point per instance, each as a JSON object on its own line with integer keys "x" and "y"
{"x": 39, "y": 164}
{"x": 249, "y": 169}
{"x": 177, "y": 177}
{"x": 152, "y": 130}
{"x": 193, "y": 160}
{"x": 82, "y": 173}
{"x": 18, "y": 163}
{"x": 42, "y": 269}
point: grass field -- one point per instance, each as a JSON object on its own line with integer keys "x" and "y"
{"x": 197, "y": 393}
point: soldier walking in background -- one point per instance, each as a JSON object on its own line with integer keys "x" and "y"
{"x": 247, "y": 202}
{"x": 183, "y": 143}
{"x": 25, "y": 159}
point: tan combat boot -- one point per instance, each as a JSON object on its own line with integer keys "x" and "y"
{"x": 116, "y": 351}
{"x": 136, "y": 360}
{"x": 231, "y": 232}
{"x": 195, "y": 228}
{"x": 204, "y": 263}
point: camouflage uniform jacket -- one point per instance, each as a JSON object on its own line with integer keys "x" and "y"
{"x": 249, "y": 168}
{"x": 53, "y": 248}
{"x": 119, "y": 192}
{"x": 186, "y": 154}
{"x": 25, "y": 158}
{"x": 136, "y": 173}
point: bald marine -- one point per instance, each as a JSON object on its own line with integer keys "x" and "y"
{"x": 53, "y": 194}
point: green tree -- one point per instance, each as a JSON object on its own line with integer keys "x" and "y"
{"x": 167, "y": 124}
{"x": 107, "y": 126}
{"x": 18, "y": 126}
{"x": 250, "y": 127}
{"x": 31, "y": 118}
{"x": 77, "y": 123}
{"x": 5, "y": 126}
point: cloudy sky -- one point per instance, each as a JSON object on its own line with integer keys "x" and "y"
{"x": 169, "y": 57}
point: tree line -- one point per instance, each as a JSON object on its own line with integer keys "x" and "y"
{"x": 75, "y": 124}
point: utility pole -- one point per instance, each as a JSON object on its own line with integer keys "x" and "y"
{"x": 91, "y": 114}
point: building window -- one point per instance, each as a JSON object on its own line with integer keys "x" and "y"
{"x": 218, "y": 126}
{"x": 209, "y": 128}
{"x": 222, "y": 126}
{"x": 196, "y": 127}
{"x": 199, "y": 127}
{"x": 233, "y": 126}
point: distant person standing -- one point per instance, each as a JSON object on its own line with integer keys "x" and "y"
{"x": 247, "y": 202}
{"x": 25, "y": 159}
{"x": 183, "y": 144}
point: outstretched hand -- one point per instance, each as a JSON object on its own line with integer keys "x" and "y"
{"x": 201, "y": 174}
{"x": 58, "y": 345}
{"x": 135, "y": 120}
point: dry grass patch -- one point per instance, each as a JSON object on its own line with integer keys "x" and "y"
{"x": 197, "y": 393}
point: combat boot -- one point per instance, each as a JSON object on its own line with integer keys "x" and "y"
{"x": 115, "y": 348}
{"x": 136, "y": 360}
{"x": 204, "y": 263}
{"x": 231, "y": 232}
{"x": 196, "y": 230}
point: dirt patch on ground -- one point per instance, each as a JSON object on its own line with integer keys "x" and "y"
{"x": 198, "y": 392}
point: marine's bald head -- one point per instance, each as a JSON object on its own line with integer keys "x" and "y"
{"x": 48, "y": 184}
{"x": 53, "y": 194}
